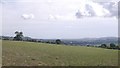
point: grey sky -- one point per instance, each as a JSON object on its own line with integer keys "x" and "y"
{"x": 57, "y": 18}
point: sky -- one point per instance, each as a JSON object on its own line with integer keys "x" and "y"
{"x": 63, "y": 19}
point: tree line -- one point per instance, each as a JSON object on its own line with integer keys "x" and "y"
{"x": 19, "y": 37}
{"x": 110, "y": 46}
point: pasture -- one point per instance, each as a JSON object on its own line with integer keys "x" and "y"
{"x": 18, "y": 53}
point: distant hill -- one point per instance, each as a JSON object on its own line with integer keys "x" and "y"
{"x": 92, "y": 41}
{"x": 83, "y": 41}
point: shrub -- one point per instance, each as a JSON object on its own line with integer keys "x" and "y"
{"x": 103, "y": 45}
{"x": 112, "y": 46}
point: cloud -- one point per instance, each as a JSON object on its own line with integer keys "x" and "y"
{"x": 62, "y": 17}
{"x": 78, "y": 14}
{"x": 52, "y": 17}
{"x": 79, "y": 9}
{"x": 27, "y": 16}
{"x": 112, "y": 7}
{"x": 98, "y": 9}
{"x": 65, "y": 10}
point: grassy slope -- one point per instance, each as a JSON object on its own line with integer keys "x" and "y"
{"x": 29, "y": 53}
{"x": 0, "y": 53}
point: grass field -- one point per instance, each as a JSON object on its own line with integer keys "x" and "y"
{"x": 0, "y": 53}
{"x": 40, "y": 54}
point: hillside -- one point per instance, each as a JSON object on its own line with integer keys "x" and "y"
{"x": 92, "y": 41}
{"x": 32, "y": 54}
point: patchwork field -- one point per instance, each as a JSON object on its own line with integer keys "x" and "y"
{"x": 18, "y": 53}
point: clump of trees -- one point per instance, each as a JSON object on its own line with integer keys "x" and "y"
{"x": 111, "y": 46}
{"x": 58, "y": 41}
{"x": 103, "y": 45}
{"x": 18, "y": 36}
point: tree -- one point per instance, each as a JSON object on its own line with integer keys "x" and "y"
{"x": 118, "y": 47}
{"x": 19, "y": 36}
{"x": 112, "y": 45}
{"x": 88, "y": 45}
{"x": 103, "y": 45}
{"x": 58, "y": 41}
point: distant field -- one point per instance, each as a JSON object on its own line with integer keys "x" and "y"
{"x": 41, "y": 54}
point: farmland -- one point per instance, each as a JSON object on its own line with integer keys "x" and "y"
{"x": 19, "y": 53}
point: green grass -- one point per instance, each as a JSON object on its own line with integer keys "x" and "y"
{"x": 32, "y": 54}
{"x": 0, "y": 53}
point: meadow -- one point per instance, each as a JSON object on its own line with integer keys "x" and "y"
{"x": 20, "y": 53}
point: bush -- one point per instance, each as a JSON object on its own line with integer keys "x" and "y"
{"x": 58, "y": 41}
{"x": 103, "y": 45}
{"x": 112, "y": 46}
{"x": 118, "y": 47}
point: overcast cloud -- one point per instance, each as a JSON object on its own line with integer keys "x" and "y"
{"x": 60, "y": 18}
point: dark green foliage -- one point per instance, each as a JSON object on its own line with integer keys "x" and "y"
{"x": 47, "y": 41}
{"x": 19, "y": 36}
{"x": 88, "y": 45}
{"x": 58, "y": 41}
{"x": 103, "y": 45}
{"x": 112, "y": 46}
{"x": 118, "y": 47}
